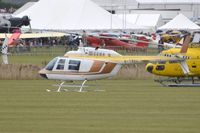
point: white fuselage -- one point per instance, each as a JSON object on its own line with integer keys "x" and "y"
{"x": 62, "y": 68}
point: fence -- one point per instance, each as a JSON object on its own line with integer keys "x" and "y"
{"x": 18, "y": 71}
{"x": 61, "y": 49}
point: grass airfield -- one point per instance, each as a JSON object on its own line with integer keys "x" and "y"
{"x": 126, "y": 106}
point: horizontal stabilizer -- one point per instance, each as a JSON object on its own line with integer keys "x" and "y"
{"x": 185, "y": 67}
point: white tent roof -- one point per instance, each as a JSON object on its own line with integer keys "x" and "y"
{"x": 180, "y": 22}
{"x": 143, "y": 20}
{"x": 70, "y": 15}
{"x": 148, "y": 20}
{"x": 24, "y": 7}
{"x": 129, "y": 17}
{"x": 167, "y": 1}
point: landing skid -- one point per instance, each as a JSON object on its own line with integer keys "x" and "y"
{"x": 184, "y": 85}
{"x": 178, "y": 82}
{"x": 72, "y": 87}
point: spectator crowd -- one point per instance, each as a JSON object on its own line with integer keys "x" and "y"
{"x": 9, "y": 10}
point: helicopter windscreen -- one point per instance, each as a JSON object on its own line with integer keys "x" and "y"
{"x": 51, "y": 64}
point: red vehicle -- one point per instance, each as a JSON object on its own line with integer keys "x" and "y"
{"x": 113, "y": 41}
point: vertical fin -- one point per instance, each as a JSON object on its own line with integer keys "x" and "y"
{"x": 4, "y": 48}
{"x": 7, "y": 42}
{"x": 185, "y": 44}
{"x": 13, "y": 38}
{"x": 184, "y": 49}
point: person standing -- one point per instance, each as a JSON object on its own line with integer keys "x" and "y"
{"x": 84, "y": 38}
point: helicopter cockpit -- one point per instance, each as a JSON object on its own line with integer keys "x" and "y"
{"x": 63, "y": 64}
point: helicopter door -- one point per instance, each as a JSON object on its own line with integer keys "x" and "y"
{"x": 60, "y": 65}
{"x": 74, "y": 65}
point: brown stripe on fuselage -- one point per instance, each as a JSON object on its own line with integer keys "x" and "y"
{"x": 93, "y": 71}
{"x": 67, "y": 72}
{"x": 108, "y": 68}
{"x": 96, "y": 67}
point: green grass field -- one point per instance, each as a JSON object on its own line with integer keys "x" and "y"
{"x": 126, "y": 106}
{"x": 37, "y": 56}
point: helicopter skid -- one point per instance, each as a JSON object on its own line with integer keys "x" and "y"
{"x": 72, "y": 87}
{"x": 178, "y": 82}
{"x": 184, "y": 85}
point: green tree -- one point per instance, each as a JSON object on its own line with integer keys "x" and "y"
{"x": 8, "y": 5}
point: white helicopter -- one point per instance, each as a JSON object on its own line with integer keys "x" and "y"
{"x": 89, "y": 64}
{"x": 71, "y": 67}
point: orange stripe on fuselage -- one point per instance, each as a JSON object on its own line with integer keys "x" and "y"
{"x": 96, "y": 67}
{"x": 108, "y": 68}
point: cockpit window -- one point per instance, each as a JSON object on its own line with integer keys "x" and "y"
{"x": 51, "y": 64}
{"x": 74, "y": 65}
{"x": 61, "y": 64}
{"x": 160, "y": 67}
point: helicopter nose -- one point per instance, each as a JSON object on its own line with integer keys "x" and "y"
{"x": 149, "y": 68}
{"x": 43, "y": 74}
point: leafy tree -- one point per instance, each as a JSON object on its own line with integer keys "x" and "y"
{"x": 8, "y": 5}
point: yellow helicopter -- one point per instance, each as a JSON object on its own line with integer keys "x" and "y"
{"x": 172, "y": 36}
{"x": 179, "y": 70}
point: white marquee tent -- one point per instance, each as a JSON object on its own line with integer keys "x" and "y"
{"x": 71, "y": 15}
{"x": 168, "y": 1}
{"x": 24, "y": 7}
{"x": 180, "y": 22}
{"x": 150, "y": 21}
